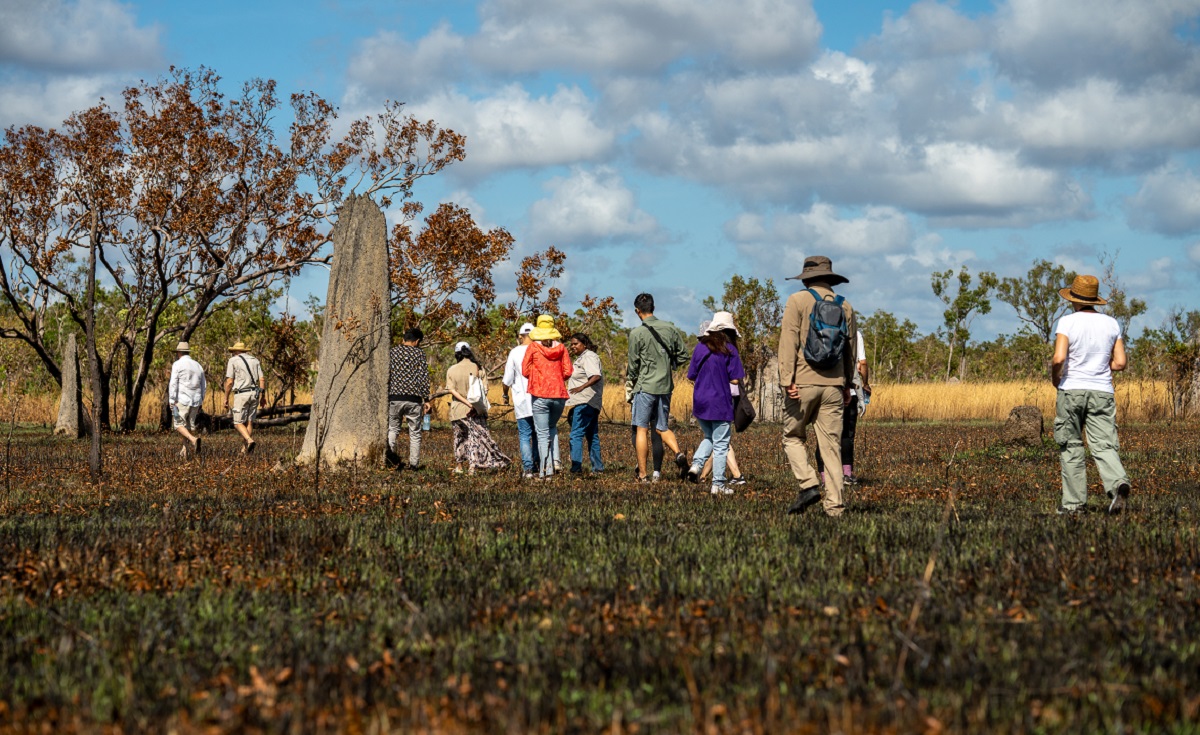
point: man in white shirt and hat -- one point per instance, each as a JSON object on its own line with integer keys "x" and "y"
{"x": 1088, "y": 349}
{"x": 186, "y": 394}
{"x": 516, "y": 390}
{"x": 244, "y": 379}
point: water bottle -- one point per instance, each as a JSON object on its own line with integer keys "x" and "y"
{"x": 426, "y": 427}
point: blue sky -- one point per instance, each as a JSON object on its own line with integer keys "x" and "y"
{"x": 667, "y": 144}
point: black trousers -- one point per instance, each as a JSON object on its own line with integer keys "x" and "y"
{"x": 849, "y": 426}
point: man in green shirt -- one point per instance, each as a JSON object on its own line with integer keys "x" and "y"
{"x": 655, "y": 349}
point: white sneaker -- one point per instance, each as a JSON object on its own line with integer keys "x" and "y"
{"x": 721, "y": 489}
{"x": 656, "y": 476}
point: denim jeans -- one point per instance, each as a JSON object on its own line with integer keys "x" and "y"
{"x": 546, "y": 413}
{"x": 716, "y": 443}
{"x": 585, "y": 424}
{"x": 529, "y": 450}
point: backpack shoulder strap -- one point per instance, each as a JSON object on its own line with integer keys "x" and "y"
{"x": 253, "y": 377}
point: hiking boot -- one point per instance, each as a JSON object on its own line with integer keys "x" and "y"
{"x": 803, "y": 500}
{"x": 693, "y": 475}
{"x": 197, "y": 450}
{"x": 720, "y": 488}
{"x": 682, "y": 463}
{"x": 1118, "y": 502}
{"x": 252, "y": 444}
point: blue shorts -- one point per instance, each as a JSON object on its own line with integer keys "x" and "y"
{"x": 649, "y": 408}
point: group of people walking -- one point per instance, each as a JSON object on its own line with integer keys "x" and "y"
{"x": 822, "y": 372}
{"x": 245, "y": 390}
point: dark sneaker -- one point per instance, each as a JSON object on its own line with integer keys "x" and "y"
{"x": 693, "y": 476}
{"x": 1118, "y": 501}
{"x": 1065, "y": 511}
{"x": 682, "y": 463}
{"x": 198, "y": 442}
{"x": 642, "y": 480}
{"x": 803, "y": 500}
{"x": 736, "y": 481}
{"x": 850, "y": 479}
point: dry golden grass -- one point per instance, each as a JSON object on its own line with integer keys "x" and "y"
{"x": 1137, "y": 400}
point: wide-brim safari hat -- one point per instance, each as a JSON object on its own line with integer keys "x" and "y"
{"x": 1083, "y": 290}
{"x": 721, "y": 321}
{"x": 183, "y": 347}
{"x": 544, "y": 329}
{"x": 239, "y": 346}
{"x": 819, "y": 268}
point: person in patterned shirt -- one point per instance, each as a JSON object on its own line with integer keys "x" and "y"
{"x": 408, "y": 395}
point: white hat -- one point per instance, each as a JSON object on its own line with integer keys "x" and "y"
{"x": 526, "y": 328}
{"x": 722, "y": 320}
{"x": 183, "y": 347}
{"x": 459, "y": 345}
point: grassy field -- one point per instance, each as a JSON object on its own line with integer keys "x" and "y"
{"x": 219, "y": 596}
{"x": 1137, "y": 400}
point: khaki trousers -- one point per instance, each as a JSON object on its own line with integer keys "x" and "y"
{"x": 821, "y": 406}
{"x": 1093, "y": 412}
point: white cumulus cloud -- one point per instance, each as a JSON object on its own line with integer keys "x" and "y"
{"x": 513, "y": 129}
{"x": 1168, "y": 202}
{"x": 85, "y": 35}
{"x": 589, "y": 208}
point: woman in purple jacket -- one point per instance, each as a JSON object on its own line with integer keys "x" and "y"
{"x": 715, "y": 364}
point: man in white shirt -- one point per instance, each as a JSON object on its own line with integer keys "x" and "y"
{"x": 245, "y": 381}
{"x": 185, "y": 394}
{"x": 1087, "y": 350}
{"x": 516, "y": 391}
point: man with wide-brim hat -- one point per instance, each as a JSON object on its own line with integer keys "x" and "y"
{"x": 816, "y": 394}
{"x": 185, "y": 394}
{"x": 244, "y": 379}
{"x": 1088, "y": 348}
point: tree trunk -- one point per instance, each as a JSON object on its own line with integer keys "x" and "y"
{"x": 95, "y": 459}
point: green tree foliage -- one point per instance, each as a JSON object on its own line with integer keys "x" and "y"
{"x": 889, "y": 344}
{"x": 1121, "y": 306}
{"x": 1172, "y": 353}
{"x": 1035, "y": 297}
{"x": 963, "y": 303}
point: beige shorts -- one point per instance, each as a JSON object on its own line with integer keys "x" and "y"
{"x": 184, "y": 417}
{"x": 245, "y": 407}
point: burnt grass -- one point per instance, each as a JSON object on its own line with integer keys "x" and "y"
{"x": 222, "y": 596}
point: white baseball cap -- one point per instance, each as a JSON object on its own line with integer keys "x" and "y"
{"x": 458, "y": 346}
{"x": 526, "y": 328}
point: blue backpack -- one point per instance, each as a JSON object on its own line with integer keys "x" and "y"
{"x": 827, "y": 332}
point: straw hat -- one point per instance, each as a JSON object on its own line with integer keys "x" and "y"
{"x": 819, "y": 268}
{"x": 721, "y": 321}
{"x": 239, "y": 346}
{"x": 1084, "y": 290}
{"x": 544, "y": 329}
{"x": 183, "y": 347}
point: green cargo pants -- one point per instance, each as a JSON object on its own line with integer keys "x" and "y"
{"x": 1095, "y": 412}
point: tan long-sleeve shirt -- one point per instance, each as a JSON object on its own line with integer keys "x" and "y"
{"x": 793, "y": 368}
